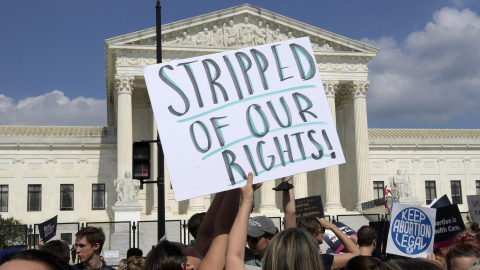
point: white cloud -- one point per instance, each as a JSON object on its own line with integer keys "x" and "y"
{"x": 53, "y": 108}
{"x": 432, "y": 79}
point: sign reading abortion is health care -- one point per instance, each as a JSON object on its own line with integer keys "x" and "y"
{"x": 261, "y": 110}
{"x": 412, "y": 231}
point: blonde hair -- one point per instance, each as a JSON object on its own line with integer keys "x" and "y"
{"x": 293, "y": 248}
{"x": 134, "y": 263}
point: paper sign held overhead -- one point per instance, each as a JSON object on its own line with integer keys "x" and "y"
{"x": 261, "y": 109}
{"x": 474, "y": 206}
{"x": 412, "y": 231}
{"x": 309, "y": 207}
{"x": 449, "y": 223}
{"x": 48, "y": 229}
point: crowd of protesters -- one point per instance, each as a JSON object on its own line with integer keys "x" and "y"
{"x": 227, "y": 238}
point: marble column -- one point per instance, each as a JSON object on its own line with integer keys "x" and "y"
{"x": 362, "y": 157}
{"x": 124, "y": 87}
{"x": 332, "y": 200}
{"x": 267, "y": 198}
{"x": 349, "y": 150}
{"x": 196, "y": 205}
{"x": 300, "y": 185}
{"x": 125, "y": 209}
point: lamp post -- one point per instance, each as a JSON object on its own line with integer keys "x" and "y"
{"x": 160, "y": 159}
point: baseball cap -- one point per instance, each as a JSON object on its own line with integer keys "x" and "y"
{"x": 260, "y": 225}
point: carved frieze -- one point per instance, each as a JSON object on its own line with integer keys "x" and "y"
{"x": 429, "y": 164}
{"x": 67, "y": 166}
{"x": 378, "y": 165}
{"x": 403, "y": 164}
{"x": 34, "y": 166}
{"x": 50, "y": 160}
{"x": 454, "y": 164}
{"x": 3, "y": 166}
{"x": 18, "y": 160}
{"x": 82, "y": 160}
{"x": 239, "y": 32}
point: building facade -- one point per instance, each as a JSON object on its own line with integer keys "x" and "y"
{"x": 71, "y": 171}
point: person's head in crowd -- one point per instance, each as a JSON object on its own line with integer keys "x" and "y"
{"x": 172, "y": 256}
{"x": 472, "y": 225}
{"x": 89, "y": 242}
{"x": 367, "y": 239}
{"x": 362, "y": 263}
{"x": 194, "y": 223}
{"x": 58, "y": 248}
{"x": 462, "y": 255}
{"x": 412, "y": 264}
{"x": 33, "y": 259}
{"x": 260, "y": 232}
{"x": 293, "y": 248}
{"x": 313, "y": 227}
{"x": 468, "y": 225}
{"x": 440, "y": 254}
{"x": 135, "y": 263}
{"x": 8, "y": 251}
{"x": 134, "y": 252}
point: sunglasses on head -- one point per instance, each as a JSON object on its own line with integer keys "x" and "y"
{"x": 322, "y": 230}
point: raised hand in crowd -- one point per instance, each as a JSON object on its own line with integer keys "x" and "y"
{"x": 215, "y": 257}
{"x": 289, "y": 204}
{"x": 351, "y": 249}
{"x": 238, "y": 235}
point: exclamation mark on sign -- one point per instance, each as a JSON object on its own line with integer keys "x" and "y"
{"x": 329, "y": 145}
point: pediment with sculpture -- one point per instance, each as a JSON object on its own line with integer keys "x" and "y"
{"x": 238, "y": 32}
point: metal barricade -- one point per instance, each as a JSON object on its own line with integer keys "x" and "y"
{"x": 357, "y": 221}
{"x": 147, "y": 233}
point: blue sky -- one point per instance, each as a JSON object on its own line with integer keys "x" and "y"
{"x": 426, "y": 74}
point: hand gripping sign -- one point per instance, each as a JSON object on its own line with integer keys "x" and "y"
{"x": 412, "y": 230}
{"x": 261, "y": 110}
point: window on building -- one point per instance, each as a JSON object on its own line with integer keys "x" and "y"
{"x": 98, "y": 197}
{"x": 377, "y": 189}
{"x": 430, "y": 191}
{"x": 456, "y": 191}
{"x": 34, "y": 198}
{"x": 3, "y": 198}
{"x": 67, "y": 237}
{"x": 66, "y": 197}
{"x": 478, "y": 186}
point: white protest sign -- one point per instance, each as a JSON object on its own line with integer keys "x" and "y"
{"x": 412, "y": 231}
{"x": 261, "y": 109}
{"x": 474, "y": 206}
{"x": 111, "y": 254}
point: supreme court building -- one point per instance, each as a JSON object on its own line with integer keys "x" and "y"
{"x": 74, "y": 171}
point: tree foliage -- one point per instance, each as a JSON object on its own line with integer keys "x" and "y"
{"x": 12, "y": 232}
